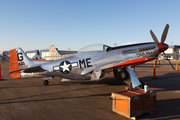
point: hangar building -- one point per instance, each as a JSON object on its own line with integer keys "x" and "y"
{"x": 51, "y": 54}
{"x": 32, "y": 53}
{"x": 173, "y": 52}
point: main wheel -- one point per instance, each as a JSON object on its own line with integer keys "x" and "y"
{"x": 46, "y": 82}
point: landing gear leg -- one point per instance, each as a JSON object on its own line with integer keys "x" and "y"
{"x": 46, "y": 82}
{"x": 141, "y": 86}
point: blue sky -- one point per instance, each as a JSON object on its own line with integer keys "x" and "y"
{"x": 37, "y": 24}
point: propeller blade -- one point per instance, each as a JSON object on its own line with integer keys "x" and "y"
{"x": 171, "y": 64}
{"x": 165, "y": 55}
{"x": 154, "y": 36}
{"x": 168, "y": 60}
{"x": 163, "y": 37}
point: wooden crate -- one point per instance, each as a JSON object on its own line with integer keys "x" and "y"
{"x": 134, "y": 103}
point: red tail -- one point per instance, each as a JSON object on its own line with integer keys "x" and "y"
{"x": 13, "y": 64}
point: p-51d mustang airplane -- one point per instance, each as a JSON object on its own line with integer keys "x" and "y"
{"x": 91, "y": 62}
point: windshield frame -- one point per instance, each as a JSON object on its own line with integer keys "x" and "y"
{"x": 94, "y": 47}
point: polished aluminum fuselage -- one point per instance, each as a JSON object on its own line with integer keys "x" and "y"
{"x": 81, "y": 65}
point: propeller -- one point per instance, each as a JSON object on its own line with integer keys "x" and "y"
{"x": 169, "y": 61}
{"x": 154, "y": 36}
{"x": 163, "y": 38}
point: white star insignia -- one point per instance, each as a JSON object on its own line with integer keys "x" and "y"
{"x": 65, "y": 66}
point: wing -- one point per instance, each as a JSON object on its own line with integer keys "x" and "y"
{"x": 117, "y": 64}
{"x": 134, "y": 79}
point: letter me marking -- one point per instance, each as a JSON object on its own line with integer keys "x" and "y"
{"x": 85, "y": 62}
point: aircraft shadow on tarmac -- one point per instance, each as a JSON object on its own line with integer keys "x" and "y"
{"x": 167, "y": 82}
{"x": 108, "y": 81}
{"x": 166, "y": 109}
{"x": 15, "y": 100}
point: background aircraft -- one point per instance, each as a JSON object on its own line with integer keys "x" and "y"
{"x": 3, "y": 57}
{"x": 91, "y": 62}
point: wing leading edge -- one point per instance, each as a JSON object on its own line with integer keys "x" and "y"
{"x": 134, "y": 79}
{"x": 118, "y": 64}
{"x": 134, "y": 61}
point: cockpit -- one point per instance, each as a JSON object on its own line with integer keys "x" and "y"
{"x": 94, "y": 47}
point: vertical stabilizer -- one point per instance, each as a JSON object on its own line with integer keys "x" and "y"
{"x": 17, "y": 61}
{"x": 53, "y": 51}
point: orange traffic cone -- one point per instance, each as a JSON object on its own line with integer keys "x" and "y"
{"x": 0, "y": 71}
{"x": 177, "y": 66}
{"x": 154, "y": 72}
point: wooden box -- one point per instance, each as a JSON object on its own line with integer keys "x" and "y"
{"x": 134, "y": 102}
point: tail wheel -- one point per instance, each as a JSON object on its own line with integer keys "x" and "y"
{"x": 46, "y": 82}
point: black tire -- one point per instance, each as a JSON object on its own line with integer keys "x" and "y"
{"x": 46, "y": 82}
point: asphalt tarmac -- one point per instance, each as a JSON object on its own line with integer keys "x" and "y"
{"x": 29, "y": 99}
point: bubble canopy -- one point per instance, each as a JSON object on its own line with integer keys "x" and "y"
{"x": 94, "y": 47}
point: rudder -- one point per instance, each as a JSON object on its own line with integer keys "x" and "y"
{"x": 17, "y": 60}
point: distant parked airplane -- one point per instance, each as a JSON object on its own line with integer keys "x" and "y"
{"x": 3, "y": 57}
{"x": 54, "y": 54}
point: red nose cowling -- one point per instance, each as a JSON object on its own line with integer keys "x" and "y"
{"x": 162, "y": 47}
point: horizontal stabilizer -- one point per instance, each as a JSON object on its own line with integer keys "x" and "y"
{"x": 33, "y": 69}
{"x": 65, "y": 80}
